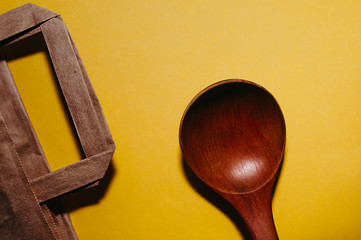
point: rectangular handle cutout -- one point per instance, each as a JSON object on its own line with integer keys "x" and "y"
{"x": 34, "y": 76}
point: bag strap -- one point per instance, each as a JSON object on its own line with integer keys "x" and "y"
{"x": 80, "y": 98}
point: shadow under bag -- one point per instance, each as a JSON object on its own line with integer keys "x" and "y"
{"x": 29, "y": 191}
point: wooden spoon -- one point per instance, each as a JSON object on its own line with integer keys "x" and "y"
{"x": 233, "y": 135}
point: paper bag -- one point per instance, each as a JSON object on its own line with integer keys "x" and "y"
{"x": 30, "y": 194}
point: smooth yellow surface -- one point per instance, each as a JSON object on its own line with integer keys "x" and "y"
{"x": 147, "y": 60}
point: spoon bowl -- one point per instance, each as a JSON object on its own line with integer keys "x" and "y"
{"x": 232, "y": 136}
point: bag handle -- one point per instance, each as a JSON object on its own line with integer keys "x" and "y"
{"x": 83, "y": 105}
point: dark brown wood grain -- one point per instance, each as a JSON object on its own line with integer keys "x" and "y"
{"x": 232, "y": 135}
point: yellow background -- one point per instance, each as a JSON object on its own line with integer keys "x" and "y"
{"x": 148, "y": 59}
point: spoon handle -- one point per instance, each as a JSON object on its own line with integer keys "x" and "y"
{"x": 256, "y": 211}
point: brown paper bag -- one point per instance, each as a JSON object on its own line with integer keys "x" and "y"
{"x": 29, "y": 192}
